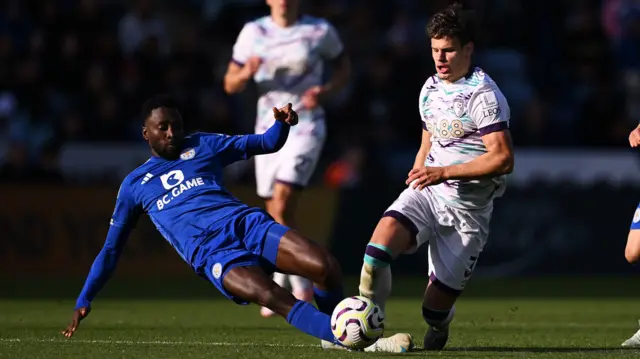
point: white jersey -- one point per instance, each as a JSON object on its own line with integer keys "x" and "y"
{"x": 292, "y": 62}
{"x": 457, "y": 115}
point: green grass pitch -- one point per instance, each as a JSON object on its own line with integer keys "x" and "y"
{"x": 526, "y": 318}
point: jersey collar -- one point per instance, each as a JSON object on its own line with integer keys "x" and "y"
{"x": 468, "y": 75}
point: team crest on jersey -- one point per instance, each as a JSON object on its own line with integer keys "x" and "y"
{"x": 216, "y": 270}
{"x": 188, "y": 154}
{"x": 458, "y": 107}
{"x": 636, "y": 216}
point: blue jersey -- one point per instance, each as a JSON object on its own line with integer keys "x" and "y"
{"x": 185, "y": 200}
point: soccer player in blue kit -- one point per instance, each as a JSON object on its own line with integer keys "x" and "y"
{"x": 234, "y": 246}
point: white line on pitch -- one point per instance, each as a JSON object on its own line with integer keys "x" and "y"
{"x": 154, "y": 342}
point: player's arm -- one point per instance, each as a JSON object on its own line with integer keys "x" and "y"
{"x": 125, "y": 216}
{"x": 271, "y": 140}
{"x": 425, "y": 147}
{"x": 237, "y": 76}
{"x": 498, "y": 160}
{"x": 236, "y": 148}
{"x": 243, "y": 64}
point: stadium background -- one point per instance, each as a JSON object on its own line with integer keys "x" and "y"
{"x": 73, "y": 75}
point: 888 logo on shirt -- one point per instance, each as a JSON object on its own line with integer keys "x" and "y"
{"x": 445, "y": 128}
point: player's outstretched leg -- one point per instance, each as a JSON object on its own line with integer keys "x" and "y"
{"x": 253, "y": 284}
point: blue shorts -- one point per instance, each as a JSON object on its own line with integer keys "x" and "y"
{"x": 635, "y": 223}
{"x": 251, "y": 241}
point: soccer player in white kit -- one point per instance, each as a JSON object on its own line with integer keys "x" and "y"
{"x": 285, "y": 53}
{"x": 632, "y": 250}
{"x": 466, "y": 152}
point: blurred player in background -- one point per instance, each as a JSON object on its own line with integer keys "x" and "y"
{"x": 285, "y": 54}
{"x": 466, "y": 152}
{"x": 632, "y": 250}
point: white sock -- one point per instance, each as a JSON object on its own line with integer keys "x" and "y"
{"x": 375, "y": 284}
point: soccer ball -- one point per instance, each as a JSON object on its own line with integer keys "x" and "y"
{"x": 357, "y": 322}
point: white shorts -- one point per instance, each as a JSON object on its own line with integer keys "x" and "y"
{"x": 455, "y": 236}
{"x": 295, "y": 163}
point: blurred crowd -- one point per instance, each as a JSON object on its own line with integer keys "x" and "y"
{"x": 78, "y": 71}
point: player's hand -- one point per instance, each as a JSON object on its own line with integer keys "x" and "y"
{"x": 310, "y": 99}
{"x": 634, "y": 137}
{"x": 426, "y": 176}
{"x": 251, "y": 67}
{"x": 78, "y": 315}
{"x": 286, "y": 115}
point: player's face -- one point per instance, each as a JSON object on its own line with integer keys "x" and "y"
{"x": 283, "y": 7}
{"x": 452, "y": 60}
{"x": 163, "y": 130}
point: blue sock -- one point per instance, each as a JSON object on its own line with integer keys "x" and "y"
{"x": 327, "y": 300}
{"x": 308, "y": 319}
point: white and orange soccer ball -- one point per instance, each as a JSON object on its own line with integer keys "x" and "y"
{"x": 357, "y": 322}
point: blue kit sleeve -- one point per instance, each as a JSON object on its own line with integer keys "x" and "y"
{"x": 125, "y": 216}
{"x": 237, "y": 148}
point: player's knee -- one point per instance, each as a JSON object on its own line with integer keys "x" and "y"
{"x": 395, "y": 234}
{"x": 323, "y": 267}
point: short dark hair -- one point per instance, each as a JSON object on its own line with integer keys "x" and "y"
{"x": 157, "y": 101}
{"x": 454, "y": 22}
